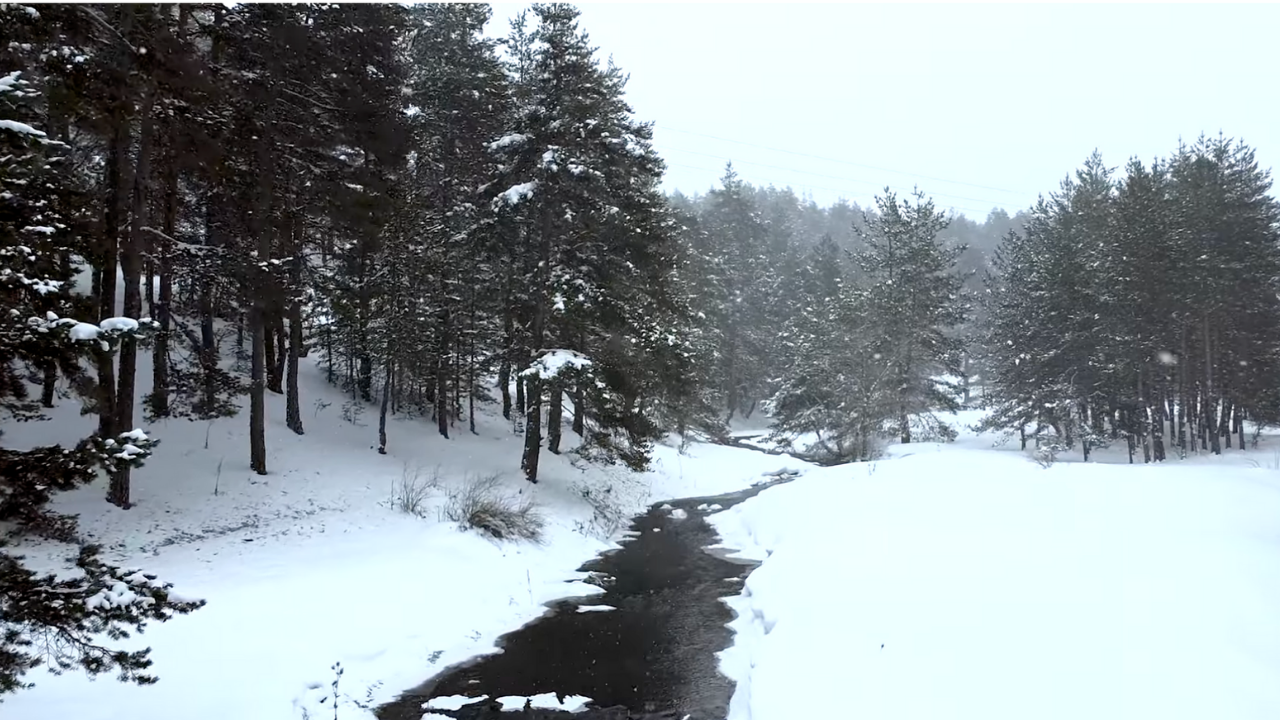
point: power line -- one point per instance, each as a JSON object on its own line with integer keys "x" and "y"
{"x": 822, "y": 175}
{"x": 842, "y": 162}
{"x": 972, "y": 212}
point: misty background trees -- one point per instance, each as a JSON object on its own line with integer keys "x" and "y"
{"x": 445, "y": 221}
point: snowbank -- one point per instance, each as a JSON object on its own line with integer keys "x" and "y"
{"x": 963, "y": 583}
{"x": 311, "y": 565}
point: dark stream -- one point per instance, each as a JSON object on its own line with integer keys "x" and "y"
{"x": 652, "y": 657}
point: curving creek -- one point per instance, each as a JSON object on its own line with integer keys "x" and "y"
{"x": 653, "y": 656}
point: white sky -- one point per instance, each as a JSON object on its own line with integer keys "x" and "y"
{"x": 979, "y": 105}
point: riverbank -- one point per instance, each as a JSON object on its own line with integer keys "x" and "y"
{"x": 314, "y": 568}
{"x": 961, "y": 581}
{"x": 646, "y": 642}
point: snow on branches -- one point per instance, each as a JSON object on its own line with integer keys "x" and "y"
{"x": 52, "y": 621}
{"x": 552, "y": 364}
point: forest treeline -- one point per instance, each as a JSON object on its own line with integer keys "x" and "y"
{"x": 443, "y": 220}
{"x": 1142, "y": 306}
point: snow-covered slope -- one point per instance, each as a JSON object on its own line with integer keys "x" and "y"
{"x": 965, "y": 582}
{"x": 311, "y": 565}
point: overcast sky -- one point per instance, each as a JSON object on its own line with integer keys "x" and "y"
{"x": 978, "y": 105}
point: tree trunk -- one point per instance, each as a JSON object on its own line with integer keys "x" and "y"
{"x": 149, "y": 277}
{"x": 1158, "y": 423}
{"x": 1211, "y": 405}
{"x": 131, "y": 267}
{"x": 1130, "y": 436}
{"x": 580, "y": 410}
{"x": 520, "y": 404}
{"x": 1144, "y": 419}
{"x": 117, "y": 188}
{"x": 50, "y": 386}
{"x": 504, "y": 385}
{"x": 730, "y": 370}
{"x": 442, "y": 371}
{"x": 364, "y": 368}
{"x": 260, "y": 231}
{"x": 533, "y": 414}
{"x": 532, "y": 429}
{"x": 328, "y": 352}
{"x": 555, "y": 410}
{"x": 1226, "y": 407}
{"x": 282, "y": 351}
{"x": 457, "y": 379}
{"x": 208, "y": 350}
{"x": 504, "y": 365}
{"x": 161, "y": 311}
{"x": 382, "y": 414}
{"x": 293, "y": 411}
{"x": 95, "y": 280}
{"x": 1182, "y": 395}
{"x": 471, "y": 366}
{"x": 274, "y": 381}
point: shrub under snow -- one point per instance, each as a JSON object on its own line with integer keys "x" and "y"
{"x": 482, "y": 504}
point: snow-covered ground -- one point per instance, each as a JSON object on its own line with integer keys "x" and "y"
{"x": 311, "y": 565}
{"x": 962, "y": 581}
{"x": 941, "y": 582}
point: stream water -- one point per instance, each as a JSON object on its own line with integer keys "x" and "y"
{"x": 653, "y": 656}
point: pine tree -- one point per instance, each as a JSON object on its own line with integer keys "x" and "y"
{"x": 578, "y": 199}
{"x": 1141, "y": 308}
{"x": 745, "y": 282}
{"x": 44, "y": 619}
{"x": 911, "y": 294}
{"x": 459, "y": 103}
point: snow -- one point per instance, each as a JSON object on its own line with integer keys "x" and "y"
{"x": 544, "y": 701}
{"x": 44, "y": 287}
{"x": 962, "y": 581}
{"x": 512, "y": 703}
{"x": 21, "y": 128}
{"x": 516, "y": 193}
{"x": 554, "y": 362}
{"x": 129, "y": 451}
{"x": 84, "y": 331}
{"x": 574, "y": 703}
{"x": 122, "y": 324}
{"x": 136, "y": 435}
{"x": 997, "y": 589}
{"x": 507, "y": 141}
{"x": 452, "y": 703}
{"x": 311, "y": 565}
